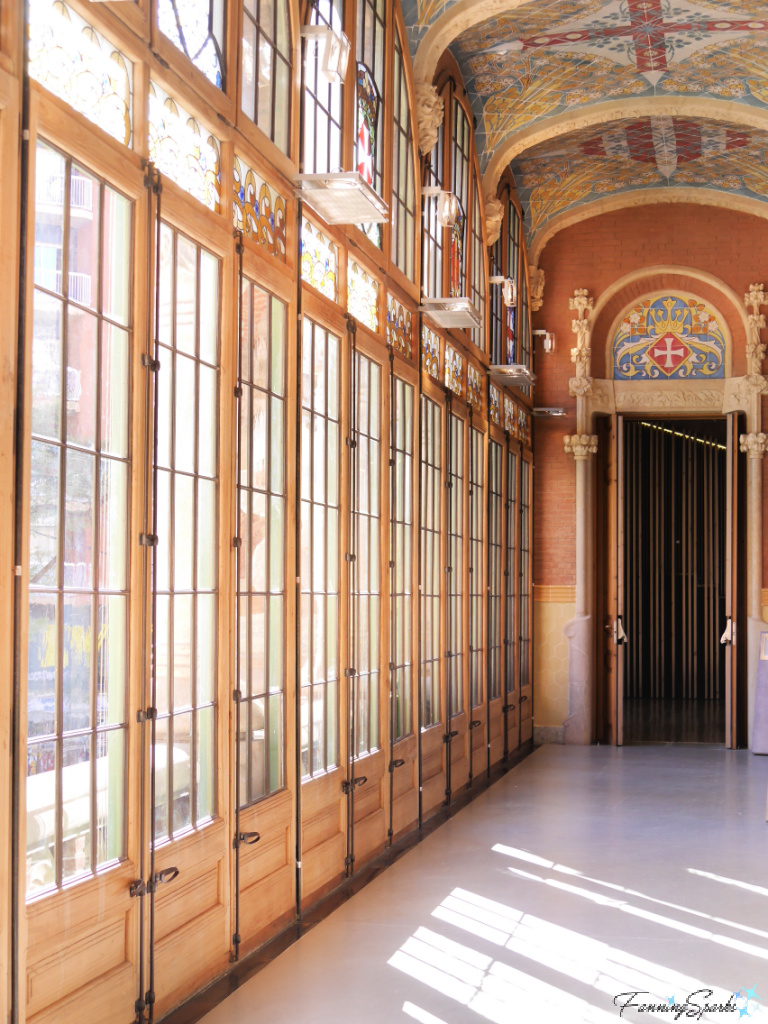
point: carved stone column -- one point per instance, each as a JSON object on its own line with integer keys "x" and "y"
{"x": 581, "y": 385}
{"x": 494, "y": 216}
{"x": 581, "y": 688}
{"x": 430, "y": 111}
{"x": 755, "y": 445}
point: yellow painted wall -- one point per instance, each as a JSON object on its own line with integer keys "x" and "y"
{"x": 553, "y": 608}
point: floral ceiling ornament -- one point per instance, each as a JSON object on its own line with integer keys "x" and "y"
{"x": 430, "y": 111}
{"x": 755, "y": 445}
{"x": 536, "y": 277}
{"x": 580, "y": 446}
{"x": 494, "y": 215}
{"x": 582, "y": 303}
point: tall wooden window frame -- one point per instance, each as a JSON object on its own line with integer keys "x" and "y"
{"x": 260, "y": 590}
{"x": 62, "y": 586}
{"x": 456, "y": 587}
{"x": 401, "y": 553}
{"x": 433, "y": 231}
{"x": 267, "y": 76}
{"x": 430, "y": 531}
{"x": 475, "y": 552}
{"x": 511, "y": 570}
{"x": 403, "y": 221}
{"x": 187, "y": 495}
{"x": 495, "y": 577}
{"x": 524, "y": 592}
{"x": 320, "y": 509}
{"x": 366, "y": 519}
{"x": 323, "y": 101}
{"x": 176, "y": 28}
{"x": 461, "y": 185}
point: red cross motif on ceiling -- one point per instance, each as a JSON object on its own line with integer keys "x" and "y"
{"x": 648, "y": 33}
{"x": 642, "y": 143}
{"x": 668, "y": 352}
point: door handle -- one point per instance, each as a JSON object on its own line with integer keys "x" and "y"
{"x": 728, "y": 635}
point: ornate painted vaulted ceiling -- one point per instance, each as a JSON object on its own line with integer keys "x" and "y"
{"x": 597, "y": 105}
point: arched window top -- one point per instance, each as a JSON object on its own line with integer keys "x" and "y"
{"x": 266, "y": 68}
{"x": 196, "y": 27}
{"x": 403, "y": 186}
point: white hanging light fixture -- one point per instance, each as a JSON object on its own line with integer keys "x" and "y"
{"x": 335, "y": 51}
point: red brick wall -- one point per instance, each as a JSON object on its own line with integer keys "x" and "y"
{"x": 594, "y": 255}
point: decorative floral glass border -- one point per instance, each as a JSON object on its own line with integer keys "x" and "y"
{"x": 81, "y": 67}
{"x": 510, "y": 424}
{"x": 259, "y": 210}
{"x": 474, "y": 387}
{"x": 523, "y": 425}
{"x": 430, "y": 352}
{"x": 454, "y": 371}
{"x": 399, "y": 326}
{"x": 179, "y": 148}
{"x": 362, "y": 296}
{"x": 494, "y": 400}
{"x": 319, "y": 260}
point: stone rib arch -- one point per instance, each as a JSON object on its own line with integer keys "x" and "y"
{"x": 599, "y": 114}
{"x": 644, "y": 197}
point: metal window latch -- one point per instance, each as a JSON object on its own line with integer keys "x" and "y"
{"x": 523, "y": 699}
{"x": 729, "y": 636}
{"x": 146, "y": 715}
{"x": 475, "y": 724}
{"x": 508, "y": 707}
{"x": 246, "y": 838}
{"x": 148, "y": 540}
{"x": 348, "y": 784}
{"x": 396, "y": 764}
{"x": 150, "y": 363}
{"x": 139, "y": 887}
{"x": 449, "y": 736}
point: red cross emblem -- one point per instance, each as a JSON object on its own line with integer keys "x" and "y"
{"x": 669, "y": 352}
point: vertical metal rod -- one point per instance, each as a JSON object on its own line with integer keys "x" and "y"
{"x": 472, "y": 588}
{"x": 490, "y": 484}
{"x": 449, "y": 602}
{"x": 150, "y": 996}
{"x": 18, "y": 536}
{"x": 352, "y": 590}
{"x": 393, "y": 564}
{"x": 239, "y": 563}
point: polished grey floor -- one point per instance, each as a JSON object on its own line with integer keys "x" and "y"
{"x": 585, "y": 873}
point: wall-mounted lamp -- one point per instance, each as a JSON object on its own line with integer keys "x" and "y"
{"x": 448, "y": 208}
{"x": 508, "y": 289}
{"x": 549, "y": 340}
{"x": 335, "y": 51}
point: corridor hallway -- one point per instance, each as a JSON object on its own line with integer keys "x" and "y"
{"x": 583, "y": 873}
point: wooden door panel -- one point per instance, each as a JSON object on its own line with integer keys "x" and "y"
{"x": 526, "y": 713}
{"x": 192, "y": 916}
{"x": 459, "y": 752}
{"x": 405, "y": 794}
{"x": 432, "y": 770}
{"x": 496, "y": 730}
{"x": 82, "y": 951}
{"x": 267, "y": 871}
{"x": 323, "y": 833}
{"x": 370, "y": 824}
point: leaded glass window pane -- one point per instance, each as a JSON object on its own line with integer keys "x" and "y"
{"x": 455, "y": 606}
{"x": 261, "y": 556}
{"x": 476, "y": 533}
{"x": 323, "y": 100}
{"x": 403, "y": 191}
{"x": 187, "y": 501}
{"x": 266, "y": 68}
{"x": 196, "y": 28}
{"x": 401, "y": 543}
{"x": 431, "y": 566}
{"x": 77, "y": 682}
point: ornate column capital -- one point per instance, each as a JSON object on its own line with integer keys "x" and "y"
{"x": 755, "y": 298}
{"x": 430, "y": 111}
{"x": 755, "y": 445}
{"x": 494, "y": 215}
{"x": 580, "y": 446}
{"x": 536, "y": 278}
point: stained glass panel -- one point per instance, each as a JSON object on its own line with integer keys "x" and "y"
{"x": 509, "y": 415}
{"x": 180, "y": 148}
{"x": 454, "y": 371}
{"x": 430, "y": 352}
{"x": 474, "y": 387}
{"x": 493, "y": 405}
{"x": 196, "y": 27}
{"x": 363, "y": 296}
{"x": 399, "y": 327}
{"x": 81, "y": 67}
{"x": 319, "y": 260}
{"x": 259, "y": 210}
{"x": 523, "y": 426}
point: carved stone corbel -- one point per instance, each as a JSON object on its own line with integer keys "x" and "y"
{"x": 494, "y": 215}
{"x": 430, "y": 111}
{"x": 580, "y": 446}
{"x": 755, "y": 445}
{"x": 581, "y": 384}
{"x": 536, "y": 279}
{"x": 754, "y": 299}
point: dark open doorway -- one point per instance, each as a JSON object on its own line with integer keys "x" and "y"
{"x": 675, "y": 488}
